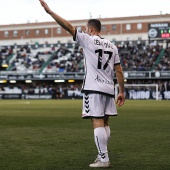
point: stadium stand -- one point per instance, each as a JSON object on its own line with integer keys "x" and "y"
{"x": 138, "y": 57}
{"x": 65, "y": 60}
{"x": 49, "y": 59}
{"x": 29, "y": 60}
{"x": 46, "y": 60}
{"x": 164, "y": 63}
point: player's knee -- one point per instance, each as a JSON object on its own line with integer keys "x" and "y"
{"x": 97, "y": 123}
{"x": 106, "y": 121}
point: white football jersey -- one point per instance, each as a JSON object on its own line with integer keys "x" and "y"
{"x": 100, "y": 56}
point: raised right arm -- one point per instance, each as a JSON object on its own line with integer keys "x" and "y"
{"x": 61, "y": 21}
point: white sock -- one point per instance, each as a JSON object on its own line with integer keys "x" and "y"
{"x": 107, "y": 129}
{"x": 100, "y": 138}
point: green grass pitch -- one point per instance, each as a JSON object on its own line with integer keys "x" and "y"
{"x": 51, "y": 135}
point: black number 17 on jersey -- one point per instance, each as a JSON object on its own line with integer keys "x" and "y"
{"x": 100, "y": 54}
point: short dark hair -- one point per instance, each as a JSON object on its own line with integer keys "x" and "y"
{"x": 95, "y": 23}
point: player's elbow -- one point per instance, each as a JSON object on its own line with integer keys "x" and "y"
{"x": 71, "y": 29}
{"x": 119, "y": 69}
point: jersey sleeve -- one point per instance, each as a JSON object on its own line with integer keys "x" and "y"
{"x": 82, "y": 38}
{"x": 117, "y": 58}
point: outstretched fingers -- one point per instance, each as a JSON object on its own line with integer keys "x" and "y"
{"x": 44, "y": 4}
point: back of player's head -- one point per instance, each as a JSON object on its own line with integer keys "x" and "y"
{"x": 95, "y": 23}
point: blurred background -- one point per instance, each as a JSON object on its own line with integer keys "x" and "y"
{"x": 40, "y": 60}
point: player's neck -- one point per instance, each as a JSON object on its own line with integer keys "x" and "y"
{"x": 95, "y": 33}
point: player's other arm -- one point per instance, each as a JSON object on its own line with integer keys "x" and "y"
{"x": 120, "y": 78}
{"x": 61, "y": 21}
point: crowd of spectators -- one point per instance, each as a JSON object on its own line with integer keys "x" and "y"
{"x": 56, "y": 90}
{"x": 63, "y": 59}
{"x": 66, "y": 60}
{"x": 164, "y": 64}
{"x": 142, "y": 57}
{"x": 53, "y": 59}
{"x": 137, "y": 57}
{"x": 29, "y": 60}
{"x": 61, "y": 89}
{"x": 134, "y": 57}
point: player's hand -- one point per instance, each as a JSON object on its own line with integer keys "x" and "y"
{"x": 120, "y": 99}
{"x": 45, "y": 6}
